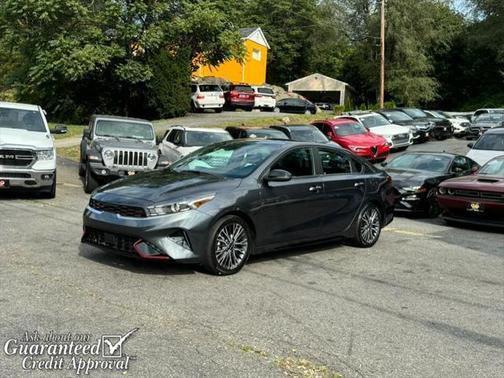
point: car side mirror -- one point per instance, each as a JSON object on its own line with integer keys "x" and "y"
{"x": 470, "y": 145}
{"x": 59, "y": 129}
{"x": 278, "y": 175}
{"x": 384, "y": 164}
{"x": 475, "y": 168}
{"x": 86, "y": 132}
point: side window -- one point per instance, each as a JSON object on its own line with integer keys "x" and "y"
{"x": 169, "y": 135}
{"x": 298, "y": 162}
{"x": 334, "y": 162}
{"x": 177, "y": 137}
{"x": 194, "y": 88}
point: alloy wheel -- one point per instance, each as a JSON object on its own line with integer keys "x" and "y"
{"x": 370, "y": 225}
{"x": 231, "y": 246}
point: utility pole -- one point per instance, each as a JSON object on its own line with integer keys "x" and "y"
{"x": 382, "y": 65}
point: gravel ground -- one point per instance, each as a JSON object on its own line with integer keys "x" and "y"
{"x": 427, "y": 300}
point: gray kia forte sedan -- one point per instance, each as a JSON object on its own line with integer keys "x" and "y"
{"x": 222, "y": 203}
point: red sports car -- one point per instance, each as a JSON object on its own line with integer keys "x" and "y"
{"x": 354, "y": 137}
{"x": 476, "y": 199}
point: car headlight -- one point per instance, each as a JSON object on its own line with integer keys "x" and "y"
{"x": 152, "y": 156}
{"x": 45, "y": 154}
{"x": 178, "y": 207}
{"x": 416, "y": 189}
{"x": 108, "y": 154}
{"x": 442, "y": 190}
{"x": 356, "y": 148}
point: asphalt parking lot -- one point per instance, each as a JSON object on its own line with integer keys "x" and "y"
{"x": 427, "y": 300}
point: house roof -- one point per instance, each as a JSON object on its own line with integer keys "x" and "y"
{"x": 316, "y": 80}
{"x": 254, "y": 34}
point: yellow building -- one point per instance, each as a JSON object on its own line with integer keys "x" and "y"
{"x": 253, "y": 69}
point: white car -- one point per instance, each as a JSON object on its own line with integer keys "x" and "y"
{"x": 460, "y": 124}
{"x": 27, "y": 153}
{"x": 180, "y": 141}
{"x": 398, "y": 137}
{"x": 486, "y": 111}
{"x": 488, "y": 146}
{"x": 207, "y": 96}
{"x": 265, "y": 98}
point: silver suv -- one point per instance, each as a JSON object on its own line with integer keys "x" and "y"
{"x": 27, "y": 154}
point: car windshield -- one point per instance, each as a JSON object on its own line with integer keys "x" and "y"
{"x": 494, "y": 167}
{"x": 421, "y": 162}
{"x": 374, "y": 120}
{"x": 351, "y": 128}
{"x": 238, "y": 159}
{"x": 490, "y": 117}
{"x": 124, "y": 129}
{"x": 398, "y": 116}
{"x": 29, "y": 120}
{"x": 490, "y": 142}
{"x": 415, "y": 113}
{"x": 437, "y": 114}
{"x": 267, "y": 133}
{"x": 307, "y": 134}
{"x": 204, "y": 138}
{"x": 243, "y": 88}
{"x": 210, "y": 88}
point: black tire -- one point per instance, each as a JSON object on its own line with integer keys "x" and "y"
{"x": 368, "y": 227}
{"x": 50, "y": 192}
{"x": 432, "y": 209}
{"x": 82, "y": 169}
{"x": 211, "y": 260}
{"x": 218, "y": 110}
{"x": 90, "y": 182}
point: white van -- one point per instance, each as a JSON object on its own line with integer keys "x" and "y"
{"x": 27, "y": 153}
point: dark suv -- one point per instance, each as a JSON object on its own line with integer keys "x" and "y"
{"x": 442, "y": 129}
{"x": 113, "y": 147}
{"x": 240, "y": 96}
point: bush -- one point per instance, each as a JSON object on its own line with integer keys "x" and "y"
{"x": 339, "y": 109}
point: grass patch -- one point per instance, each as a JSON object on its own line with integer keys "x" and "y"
{"x": 73, "y": 131}
{"x": 72, "y": 153}
{"x": 293, "y": 119}
{"x": 301, "y": 367}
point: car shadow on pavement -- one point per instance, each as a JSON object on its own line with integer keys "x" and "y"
{"x": 133, "y": 265}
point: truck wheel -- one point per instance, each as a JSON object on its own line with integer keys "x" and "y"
{"x": 50, "y": 192}
{"x": 90, "y": 182}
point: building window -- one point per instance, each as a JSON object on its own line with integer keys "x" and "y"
{"x": 256, "y": 54}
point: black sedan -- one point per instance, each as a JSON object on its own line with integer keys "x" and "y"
{"x": 296, "y": 105}
{"x": 255, "y": 132}
{"x": 416, "y": 176}
{"x": 224, "y": 202}
{"x": 483, "y": 123}
{"x": 421, "y": 130}
{"x": 442, "y": 129}
{"x": 302, "y": 133}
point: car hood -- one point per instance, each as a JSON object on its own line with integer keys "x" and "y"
{"x": 363, "y": 140}
{"x": 25, "y": 139}
{"x": 402, "y": 178}
{"x": 162, "y": 186}
{"x": 101, "y": 143}
{"x": 477, "y": 182}
{"x": 390, "y": 130}
{"x": 483, "y": 156}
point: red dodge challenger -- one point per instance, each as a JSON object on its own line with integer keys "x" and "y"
{"x": 476, "y": 199}
{"x": 354, "y": 137}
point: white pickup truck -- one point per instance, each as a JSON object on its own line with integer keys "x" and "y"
{"x": 27, "y": 154}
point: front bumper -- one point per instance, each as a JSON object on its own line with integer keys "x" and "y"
{"x": 411, "y": 202}
{"x": 180, "y": 236}
{"x": 99, "y": 170}
{"x": 380, "y": 155}
{"x": 472, "y": 210}
{"x": 27, "y": 178}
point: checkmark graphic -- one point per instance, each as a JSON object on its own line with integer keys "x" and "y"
{"x": 115, "y": 347}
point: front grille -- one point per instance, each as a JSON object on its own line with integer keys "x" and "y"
{"x": 133, "y": 159}
{"x": 478, "y": 194}
{"x": 14, "y": 175}
{"x": 109, "y": 240}
{"x": 400, "y": 138}
{"x": 16, "y": 158}
{"x": 123, "y": 210}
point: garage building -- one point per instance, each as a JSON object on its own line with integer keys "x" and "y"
{"x": 321, "y": 88}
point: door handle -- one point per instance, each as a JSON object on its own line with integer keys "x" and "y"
{"x": 360, "y": 183}
{"x": 315, "y": 188}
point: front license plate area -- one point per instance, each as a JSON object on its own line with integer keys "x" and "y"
{"x": 475, "y": 207}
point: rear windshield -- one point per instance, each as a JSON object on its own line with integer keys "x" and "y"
{"x": 242, "y": 88}
{"x": 265, "y": 91}
{"x": 490, "y": 142}
{"x": 351, "y": 128}
{"x": 29, "y": 120}
{"x": 307, "y": 134}
{"x": 210, "y": 88}
{"x": 124, "y": 129}
{"x": 203, "y": 138}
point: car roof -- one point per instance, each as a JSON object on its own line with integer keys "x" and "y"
{"x": 495, "y": 130}
{"x": 204, "y": 129}
{"x": 19, "y": 106}
{"x": 119, "y": 118}
{"x": 291, "y": 126}
{"x": 448, "y": 154}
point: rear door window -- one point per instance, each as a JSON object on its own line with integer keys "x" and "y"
{"x": 334, "y": 162}
{"x": 298, "y": 162}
